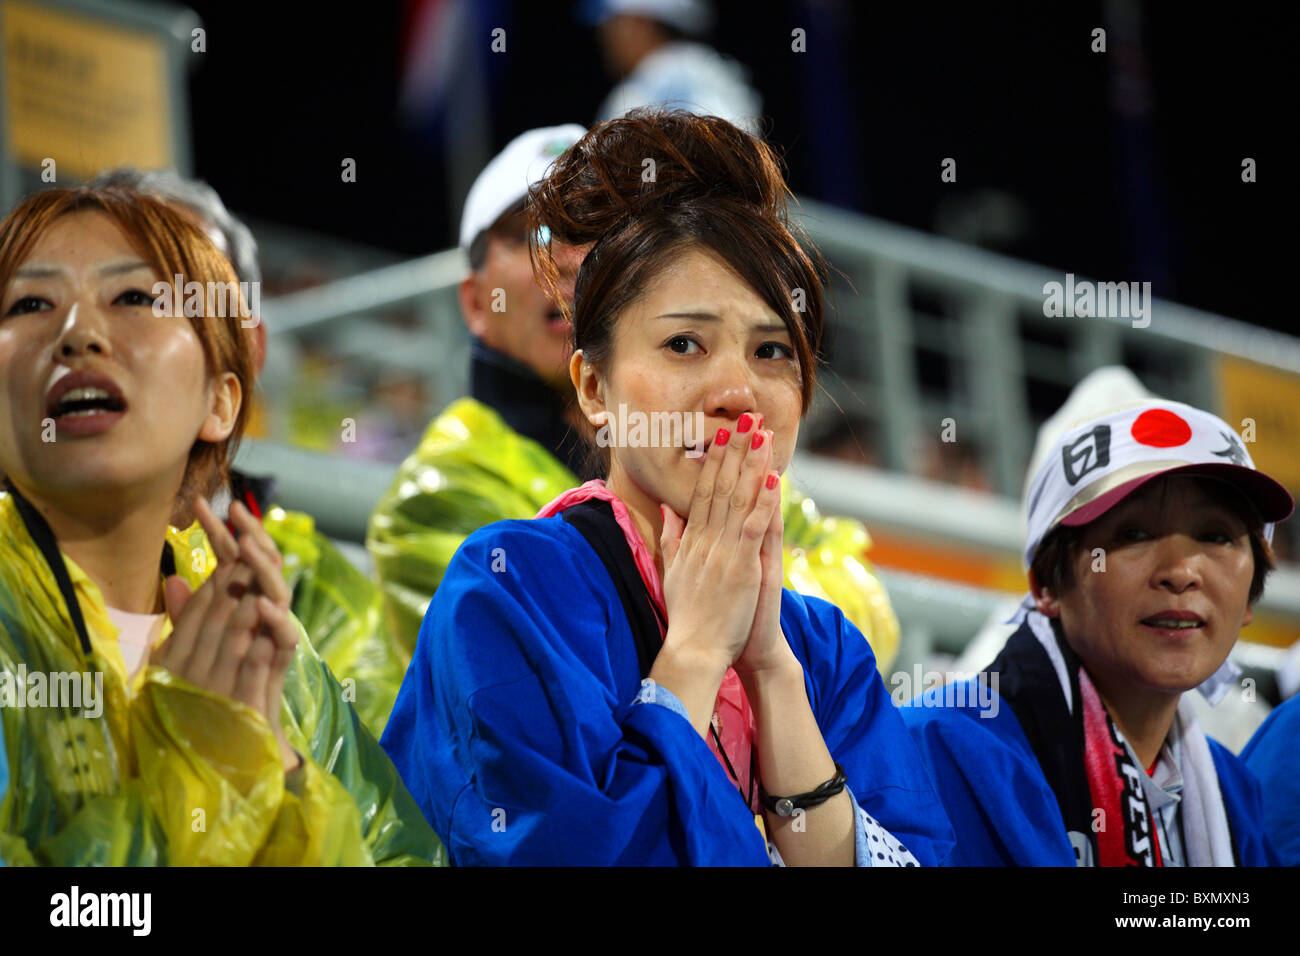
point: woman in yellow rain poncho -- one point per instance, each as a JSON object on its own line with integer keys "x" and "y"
{"x": 208, "y": 734}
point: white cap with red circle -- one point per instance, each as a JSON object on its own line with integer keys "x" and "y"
{"x": 1096, "y": 464}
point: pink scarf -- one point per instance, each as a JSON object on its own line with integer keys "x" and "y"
{"x": 733, "y": 718}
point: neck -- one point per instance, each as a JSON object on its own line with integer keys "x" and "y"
{"x": 644, "y": 511}
{"x": 117, "y": 544}
{"x": 1143, "y": 717}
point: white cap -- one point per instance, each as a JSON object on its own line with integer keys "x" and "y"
{"x": 1093, "y": 465}
{"x": 507, "y": 178}
{"x": 692, "y": 17}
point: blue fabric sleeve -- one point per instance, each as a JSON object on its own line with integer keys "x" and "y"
{"x": 863, "y": 730}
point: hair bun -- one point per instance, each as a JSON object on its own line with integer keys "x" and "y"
{"x": 653, "y": 160}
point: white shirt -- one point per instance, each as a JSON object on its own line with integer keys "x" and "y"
{"x": 690, "y": 76}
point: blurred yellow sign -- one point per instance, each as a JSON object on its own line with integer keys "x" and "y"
{"x": 1268, "y": 399}
{"x": 82, "y": 92}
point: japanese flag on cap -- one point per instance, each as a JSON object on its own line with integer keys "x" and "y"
{"x": 505, "y": 180}
{"x": 1094, "y": 465}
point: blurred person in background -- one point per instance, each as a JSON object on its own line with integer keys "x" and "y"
{"x": 339, "y": 606}
{"x": 509, "y": 447}
{"x": 1147, "y": 547}
{"x": 204, "y": 728}
{"x": 653, "y": 49}
{"x": 512, "y": 446}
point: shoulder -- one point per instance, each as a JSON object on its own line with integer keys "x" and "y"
{"x": 1275, "y": 739}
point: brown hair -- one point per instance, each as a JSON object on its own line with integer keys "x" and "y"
{"x": 171, "y": 245}
{"x": 645, "y": 186}
{"x": 1053, "y": 564}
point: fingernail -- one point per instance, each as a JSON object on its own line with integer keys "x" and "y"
{"x": 772, "y": 479}
{"x": 721, "y": 437}
{"x": 758, "y": 441}
{"x": 745, "y": 424}
{"x": 663, "y": 514}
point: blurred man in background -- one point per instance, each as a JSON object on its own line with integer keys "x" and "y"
{"x": 339, "y": 607}
{"x": 652, "y": 48}
{"x": 508, "y": 448}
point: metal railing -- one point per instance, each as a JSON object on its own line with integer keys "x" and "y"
{"x": 906, "y": 303}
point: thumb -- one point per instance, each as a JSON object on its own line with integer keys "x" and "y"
{"x": 670, "y": 539}
{"x": 176, "y": 594}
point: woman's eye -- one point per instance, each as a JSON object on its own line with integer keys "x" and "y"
{"x": 1132, "y": 534}
{"x": 774, "y": 350}
{"x": 26, "y": 304}
{"x": 134, "y": 297}
{"x": 683, "y": 345}
{"x": 1217, "y": 537}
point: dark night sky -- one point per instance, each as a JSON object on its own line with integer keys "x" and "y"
{"x": 1011, "y": 91}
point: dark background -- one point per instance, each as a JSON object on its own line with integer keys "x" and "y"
{"x": 885, "y": 91}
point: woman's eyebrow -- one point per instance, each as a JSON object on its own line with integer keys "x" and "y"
{"x": 714, "y": 317}
{"x": 54, "y": 272}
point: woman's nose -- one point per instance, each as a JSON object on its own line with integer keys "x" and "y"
{"x": 1176, "y": 564}
{"x": 82, "y": 333}
{"x": 731, "y": 392}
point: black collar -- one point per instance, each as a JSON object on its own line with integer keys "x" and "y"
{"x": 527, "y": 404}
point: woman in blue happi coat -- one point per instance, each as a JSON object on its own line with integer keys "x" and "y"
{"x": 622, "y": 680}
{"x": 1148, "y": 545}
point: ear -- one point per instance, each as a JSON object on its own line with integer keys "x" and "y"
{"x": 589, "y": 386}
{"x": 472, "y": 306}
{"x": 227, "y": 397}
{"x": 1248, "y": 616}
{"x": 1048, "y": 604}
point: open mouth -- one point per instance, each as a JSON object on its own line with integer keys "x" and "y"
{"x": 84, "y": 403}
{"x": 80, "y": 402}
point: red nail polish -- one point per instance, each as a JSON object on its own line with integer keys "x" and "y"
{"x": 772, "y": 479}
{"x": 745, "y": 424}
{"x": 758, "y": 441}
{"x": 721, "y": 437}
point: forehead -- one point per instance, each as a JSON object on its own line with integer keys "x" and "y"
{"x": 698, "y": 278}
{"x": 87, "y": 233}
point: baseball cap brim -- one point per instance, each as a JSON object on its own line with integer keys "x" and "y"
{"x": 1273, "y": 502}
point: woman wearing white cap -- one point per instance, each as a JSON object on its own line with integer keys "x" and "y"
{"x": 1148, "y": 545}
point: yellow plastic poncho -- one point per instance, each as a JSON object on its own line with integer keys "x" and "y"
{"x": 471, "y": 469}
{"x": 167, "y": 773}
{"x": 342, "y": 612}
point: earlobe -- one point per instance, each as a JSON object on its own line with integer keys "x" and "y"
{"x": 227, "y": 398}
{"x": 1044, "y": 599}
{"x": 590, "y": 389}
{"x": 1248, "y": 616}
{"x": 470, "y": 308}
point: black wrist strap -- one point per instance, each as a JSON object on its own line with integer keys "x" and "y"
{"x": 786, "y": 806}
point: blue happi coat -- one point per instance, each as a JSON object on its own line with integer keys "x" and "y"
{"x": 994, "y": 788}
{"x": 517, "y": 732}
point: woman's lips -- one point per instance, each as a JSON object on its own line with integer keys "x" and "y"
{"x": 80, "y": 425}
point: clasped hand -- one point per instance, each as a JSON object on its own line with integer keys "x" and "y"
{"x": 722, "y": 563}
{"x": 234, "y": 635}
